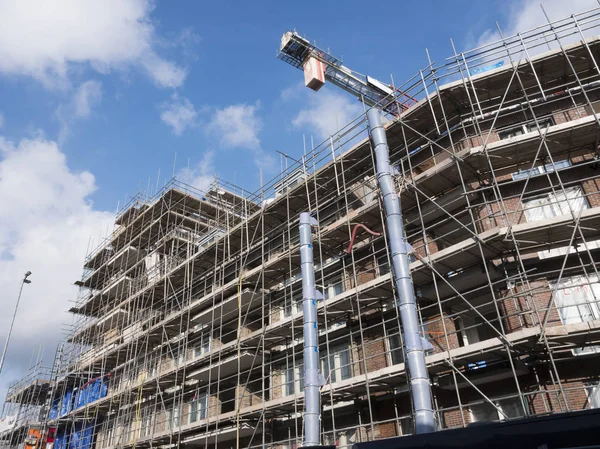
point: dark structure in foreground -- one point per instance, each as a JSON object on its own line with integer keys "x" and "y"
{"x": 559, "y": 431}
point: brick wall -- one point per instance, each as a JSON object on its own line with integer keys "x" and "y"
{"x": 552, "y": 399}
{"x": 540, "y": 304}
{"x": 455, "y": 418}
{"x": 160, "y": 422}
{"x": 575, "y": 375}
{"x": 276, "y": 380}
{"x": 528, "y": 305}
{"x": 166, "y": 365}
{"x": 245, "y": 331}
{"x": 591, "y": 189}
{"x": 424, "y": 245}
{"x": 565, "y": 114}
{"x": 214, "y": 406}
{"x": 496, "y": 214}
{"x": 275, "y": 313}
{"x": 543, "y": 303}
{"x": 441, "y": 339}
{"x": 249, "y": 394}
{"x": 371, "y": 350}
{"x": 386, "y": 430}
{"x": 374, "y": 346}
{"x": 516, "y": 307}
{"x": 365, "y": 271}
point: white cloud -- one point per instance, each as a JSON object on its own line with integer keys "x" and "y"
{"x": 86, "y": 96}
{"x": 524, "y": 15}
{"x": 326, "y": 112}
{"x": 46, "y": 220}
{"x": 79, "y": 107}
{"x": 164, "y": 73}
{"x": 201, "y": 175}
{"x": 179, "y": 113}
{"x": 264, "y": 160}
{"x": 237, "y": 126}
{"x": 46, "y": 40}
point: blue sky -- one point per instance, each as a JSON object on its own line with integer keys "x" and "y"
{"x": 97, "y": 97}
{"x": 228, "y": 52}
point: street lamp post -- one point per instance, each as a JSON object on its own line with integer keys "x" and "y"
{"x": 23, "y": 282}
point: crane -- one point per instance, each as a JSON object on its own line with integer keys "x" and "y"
{"x": 320, "y": 65}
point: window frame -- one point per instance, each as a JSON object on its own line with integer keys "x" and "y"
{"x": 292, "y": 303}
{"x": 525, "y": 173}
{"x": 525, "y": 128}
{"x": 146, "y": 425}
{"x": 333, "y": 357}
{"x": 554, "y": 201}
{"x": 334, "y": 288}
{"x": 563, "y": 290}
{"x": 395, "y": 350}
{"x": 198, "y": 407}
{"x": 201, "y": 346}
{"x": 174, "y": 417}
{"x": 296, "y": 384}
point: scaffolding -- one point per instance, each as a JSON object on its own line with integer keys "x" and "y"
{"x": 188, "y": 325}
{"x": 25, "y": 405}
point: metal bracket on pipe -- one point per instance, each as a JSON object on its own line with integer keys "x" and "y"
{"x": 403, "y": 245}
{"x": 427, "y": 346}
{"x": 318, "y": 295}
{"x": 314, "y": 377}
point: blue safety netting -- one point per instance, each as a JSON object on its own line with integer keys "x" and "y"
{"x": 66, "y": 403}
{"x": 79, "y": 397}
{"x": 54, "y": 408}
{"x": 82, "y": 436}
{"x": 92, "y": 391}
{"x": 60, "y": 441}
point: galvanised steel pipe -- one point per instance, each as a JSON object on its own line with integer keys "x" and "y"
{"x": 399, "y": 248}
{"x": 312, "y": 378}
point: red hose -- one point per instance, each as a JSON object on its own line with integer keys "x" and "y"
{"x": 356, "y": 226}
{"x": 94, "y": 379}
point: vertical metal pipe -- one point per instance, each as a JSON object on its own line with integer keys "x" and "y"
{"x": 415, "y": 345}
{"x": 312, "y": 378}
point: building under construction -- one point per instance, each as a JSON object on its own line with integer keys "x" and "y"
{"x": 189, "y": 322}
{"x": 24, "y": 410}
